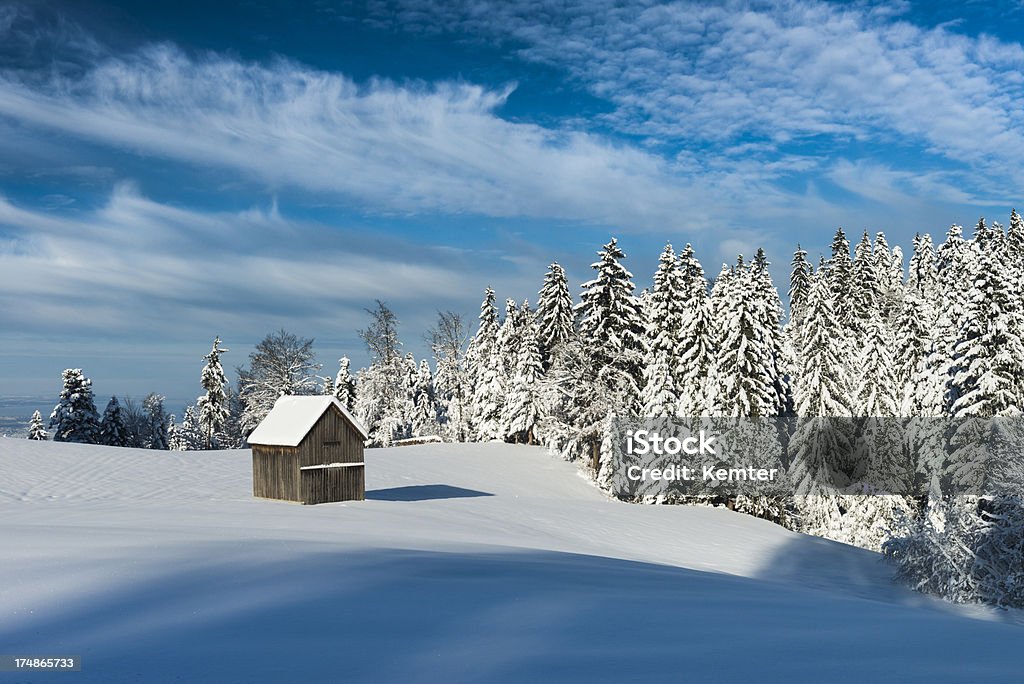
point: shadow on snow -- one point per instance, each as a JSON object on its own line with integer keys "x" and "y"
{"x": 529, "y": 615}
{"x": 423, "y": 493}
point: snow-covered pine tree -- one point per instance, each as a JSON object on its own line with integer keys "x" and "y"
{"x": 822, "y": 441}
{"x": 173, "y": 438}
{"x": 524, "y": 406}
{"x": 969, "y": 547}
{"x": 610, "y": 456}
{"x": 113, "y": 431}
{"x": 773, "y": 341}
{"x": 425, "y": 407}
{"x": 914, "y": 339}
{"x": 881, "y": 257}
{"x": 555, "y": 316}
{"x": 839, "y": 275}
{"x": 488, "y": 373}
{"x": 987, "y": 369}
{"x": 888, "y": 469}
{"x": 799, "y": 284}
{"x": 508, "y": 339}
{"x": 923, "y": 277}
{"x": 889, "y": 274}
{"x": 156, "y": 422}
{"x": 882, "y": 464}
{"x": 344, "y": 385}
{"x": 213, "y": 405}
{"x": 74, "y": 418}
{"x": 1013, "y": 247}
{"x": 190, "y": 432}
{"x": 696, "y": 354}
{"x": 36, "y": 429}
{"x": 407, "y": 397}
{"x": 865, "y": 290}
{"x": 664, "y": 326}
{"x": 611, "y": 327}
{"x": 745, "y": 370}
{"x": 230, "y": 435}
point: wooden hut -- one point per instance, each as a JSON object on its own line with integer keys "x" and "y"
{"x": 310, "y": 450}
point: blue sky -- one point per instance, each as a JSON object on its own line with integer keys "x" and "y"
{"x": 174, "y": 171}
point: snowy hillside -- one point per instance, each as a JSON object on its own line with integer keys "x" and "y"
{"x": 467, "y": 563}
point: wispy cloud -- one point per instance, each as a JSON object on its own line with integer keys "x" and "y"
{"x": 393, "y": 148}
{"x": 774, "y": 74}
{"x": 720, "y": 97}
{"x": 146, "y": 270}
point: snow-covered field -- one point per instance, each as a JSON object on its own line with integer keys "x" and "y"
{"x": 467, "y": 563}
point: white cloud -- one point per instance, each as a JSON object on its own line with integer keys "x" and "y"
{"x": 687, "y": 71}
{"x": 394, "y": 148}
{"x": 146, "y": 270}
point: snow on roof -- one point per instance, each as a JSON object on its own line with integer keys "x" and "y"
{"x": 293, "y": 417}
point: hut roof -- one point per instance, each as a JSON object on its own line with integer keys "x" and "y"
{"x": 293, "y": 417}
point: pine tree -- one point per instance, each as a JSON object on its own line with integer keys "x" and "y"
{"x": 840, "y": 278}
{"x": 821, "y": 387}
{"x": 823, "y": 400}
{"x": 156, "y": 422}
{"x": 771, "y": 337}
{"x": 113, "y": 431}
{"x": 746, "y": 374}
{"x": 864, "y": 288}
{"x": 664, "y": 326}
{"x": 524, "y": 407}
{"x": 74, "y": 418}
{"x": 876, "y": 393}
{"x": 877, "y": 401}
{"x": 173, "y": 436}
{"x": 425, "y": 407}
{"x": 988, "y": 354}
{"x": 344, "y": 385}
{"x": 231, "y": 435}
{"x": 508, "y": 339}
{"x": 190, "y": 434}
{"x": 1014, "y": 247}
{"x": 488, "y": 373}
{"x": 799, "y": 284}
{"x": 36, "y": 429}
{"x": 610, "y": 456}
{"x": 213, "y": 406}
{"x": 888, "y": 271}
{"x": 923, "y": 277}
{"x": 555, "y": 316}
{"x": 914, "y": 343}
{"x": 696, "y": 340}
{"x": 611, "y": 326}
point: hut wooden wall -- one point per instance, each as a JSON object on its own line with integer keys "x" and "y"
{"x": 332, "y": 440}
{"x": 275, "y": 472}
{"x": 322, "y": 485}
